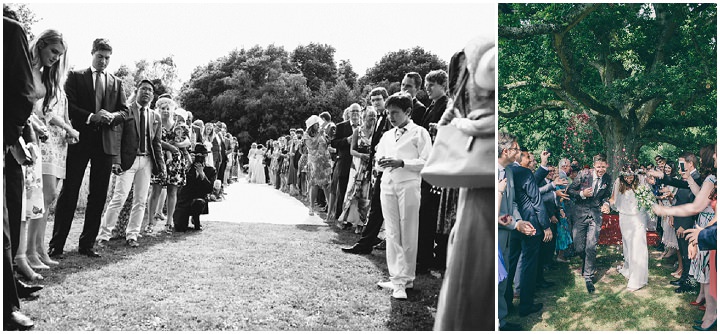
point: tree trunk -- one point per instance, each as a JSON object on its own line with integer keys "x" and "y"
{"x": 621, "y": 142}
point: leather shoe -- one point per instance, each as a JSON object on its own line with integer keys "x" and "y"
{"x": 534, "y": 308}
{"x": 694, "y": 303}
{"x": 700, "y": 327}
{"x": 545, "y": 284}
{"x": 510, "y": 327}
{"x": 380, "y": 246}
{"x": 26, "y": 290}
{"x": 676, "y": 282}
{"x": 55, "y": 253}
{"x": 590, "y": 287}
{"x": 88, "y": 252}
{"x": 132, "y": 243}
{"x": 17, "y": 321}
{"x": 357, "y": 249}
{"x": 684, "y": 288}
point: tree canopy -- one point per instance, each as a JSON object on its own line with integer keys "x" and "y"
{"x": 645, "y": 74}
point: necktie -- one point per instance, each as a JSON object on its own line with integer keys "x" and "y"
{"x": 142, "y": 130}
{"x": 99, "y": 91}
{"x": 399, "y": 132}
{"x": 597, "y": 183}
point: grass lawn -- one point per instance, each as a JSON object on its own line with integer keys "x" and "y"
{"x": 568, "y": 306}
{"x": 228, "y": 277}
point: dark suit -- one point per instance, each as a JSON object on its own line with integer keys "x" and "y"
{"x": 191, "y": 198}
{"x": 18, "y": 89}
{"x": 588, "y": 218}
{"x": 683, "y": 196}
{"x": 375, "y": 216}
{"x": 428, "y": 254}
{"x": 344, "y": 130}
{"x": 98, "y": 143}
{"x": 547, "y": 191}
{"x": 707, "y": 238}
{"x": 219, "y": 155}
{"x": 418, "y": 111}
{"x": 528, "y": 204}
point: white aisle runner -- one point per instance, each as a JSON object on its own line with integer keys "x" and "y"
{"x": 259, "y": 203}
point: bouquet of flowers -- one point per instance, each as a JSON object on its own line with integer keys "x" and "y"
{"x": 645, "y": 200}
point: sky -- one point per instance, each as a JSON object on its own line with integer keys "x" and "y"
{"x": 196, "y": 34}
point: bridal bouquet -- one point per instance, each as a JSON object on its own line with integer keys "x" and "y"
{"x": 645, "y": 200}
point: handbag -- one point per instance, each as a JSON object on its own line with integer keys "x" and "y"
{"x": 458, "y": 160}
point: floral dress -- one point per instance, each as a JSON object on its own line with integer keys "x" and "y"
{"x": 700, "y": 266}
{"x": 176, "y": 167}
{"x": 357, "y": 198}
{"x": 318, "y": 160}
{"x": 54, "y": 149}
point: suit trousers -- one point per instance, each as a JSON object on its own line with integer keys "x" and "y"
{"x": 504, "y": 243}
{"x": 429, "y": 205}
{"x": 683, "y": 249}
{"x": 524, "y": 249}
{"x": 14, "y": 181}
{"x": 342, "y": 168}
{"x": 88, "y": 149}
{"x": 586, "y": 232}
{"x": 375, "y": 217}
{"x": 11, "y": 302}
{"x": 547, "y": 250}
{"x": 401, "y": 207}
{"x": 138, "y": 176}
{"x": 333, "y": 196}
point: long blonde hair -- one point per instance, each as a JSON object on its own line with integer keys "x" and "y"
{"x": 54, "y": 76}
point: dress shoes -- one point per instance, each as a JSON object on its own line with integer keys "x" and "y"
{"x": 357, "y": 249}
{"x": 55, "y": 253}
{"x": 26, "y": 290}
{"x": 694, "y": 303}
{"x": 676, "y": 282}
{"x": 684, "y": 288}
{"x": 89, "y": 252}
{"x": 132, "y": 243}
{"x": 534, "y": 308}
{"x": 380, "y": 246}
{"x": 712, "y": 327}
{"x": 17, "y": 321}
{"x": 590, "y": 287}
{"x": 510, "y": 327}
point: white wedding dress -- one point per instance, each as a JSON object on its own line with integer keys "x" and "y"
{"x": 257, "y": 170}
{"x": 633, "y": 226}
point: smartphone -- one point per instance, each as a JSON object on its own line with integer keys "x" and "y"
{"x": 682, "y": 167}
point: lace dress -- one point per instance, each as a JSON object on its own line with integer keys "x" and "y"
{"x": 669, "y": 239}
{"x": 633, "y": 226}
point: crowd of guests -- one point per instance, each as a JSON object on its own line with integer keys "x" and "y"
{"x": 549, "y": 214}
{"x": 55, "y": 122}
{"x": 143, "y": 160}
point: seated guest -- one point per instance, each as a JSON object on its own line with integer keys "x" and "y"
{"x": 191, "y": 201}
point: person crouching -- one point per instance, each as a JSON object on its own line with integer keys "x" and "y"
{"x": 402, "y": 153}
{"x": 192, "y": 198}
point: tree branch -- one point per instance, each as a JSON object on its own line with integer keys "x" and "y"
{"x": 548, "y": 105}
{"x": 529, "y": 30}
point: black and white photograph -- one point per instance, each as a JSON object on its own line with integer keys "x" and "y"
{"x": 251, "y": 166}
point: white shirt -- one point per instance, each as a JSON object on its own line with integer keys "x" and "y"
{"x": 413, "y": 148}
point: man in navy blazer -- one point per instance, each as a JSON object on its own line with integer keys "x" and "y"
{"x": 96, "y": 105}
{"x": 530, "y": 208}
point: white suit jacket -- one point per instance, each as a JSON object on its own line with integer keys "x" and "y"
{"x": 413, "y": 148}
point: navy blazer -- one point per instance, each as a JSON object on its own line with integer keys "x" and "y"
{"x": 707, "y": 238}
{"x": 528, "y": 199}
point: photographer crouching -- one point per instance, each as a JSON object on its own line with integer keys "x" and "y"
{"x": 192, "y": 198}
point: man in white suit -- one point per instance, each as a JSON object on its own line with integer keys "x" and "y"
{"x": 402, "y": 153}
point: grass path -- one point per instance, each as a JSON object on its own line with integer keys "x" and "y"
{"x": 568, "y": 306}
{"x": 230, "y": 276}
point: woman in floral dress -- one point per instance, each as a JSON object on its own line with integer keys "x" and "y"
{"x": 357, "y": 198}
{"x": 175, "y": 136}
{"x": 319, "y": 169}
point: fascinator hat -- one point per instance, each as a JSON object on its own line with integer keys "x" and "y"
{"x": 312, "y": 120}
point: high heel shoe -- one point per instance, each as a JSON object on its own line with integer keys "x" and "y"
{"x": 698, "y": 322}
{"x": 701, "y": 328}
{"x": 701, "y": 307}
{"x": 35, "y": 262}
{"x": 25, "y": 269}
{"x": 694, "y": 303}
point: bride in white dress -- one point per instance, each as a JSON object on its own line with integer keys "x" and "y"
{"x": 255, "y": 167}
{"x": 633, "y": 225}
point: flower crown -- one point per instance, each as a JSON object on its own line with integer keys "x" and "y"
{"x": 624, "y": 173}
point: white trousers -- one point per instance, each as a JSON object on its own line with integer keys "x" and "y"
{"x": 139, "y": 176}
{"x": 400, "y": 204}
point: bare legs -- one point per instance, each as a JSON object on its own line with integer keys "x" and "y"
{"x": 152, "y": 204}
{"x": 171, "y": 200}
{"x": 37, "y": 254}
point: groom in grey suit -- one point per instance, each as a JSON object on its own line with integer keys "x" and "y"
{"x": 508, "y": 150}
{"x": 590, "y": 194}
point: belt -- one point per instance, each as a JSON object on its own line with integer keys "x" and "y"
{"x": 142, "y": 154}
